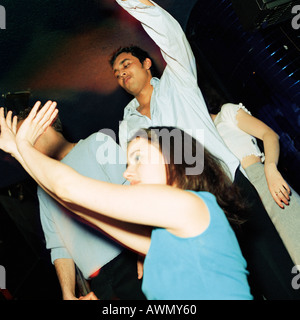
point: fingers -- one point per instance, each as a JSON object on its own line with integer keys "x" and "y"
{"x": 89, "y": 296}
{"x": 5, "y": 121}
{"x": 8, "y": 118}
{"x": 282, "y": 195}
{"x": 140, "y": 267}
{"x": 48, "y": 123}
{"x": 44, "y": 111}
{"x": 287, "y": 188}
{"x": 45, "y": 115}
{"x": 277, "y": 200}
{"x": 36, "y": 122}
{"x": 34, "y": 110}
{"x": 285, "y": 194}
{"x": 1, "y": 116}
{"x": 14, "y": 124}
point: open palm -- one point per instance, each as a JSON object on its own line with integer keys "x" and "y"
{"x": 8, "y": 128}
{"x": 36, "y": 122}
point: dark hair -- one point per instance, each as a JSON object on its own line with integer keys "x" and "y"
{"x": 213, "y": 98}
{"x": 138, "y": 53}
{"x": 212, "y": 179}
{"x": 57, "y": 126}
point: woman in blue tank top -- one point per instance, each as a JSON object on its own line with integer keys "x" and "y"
{"x": 168, "y": 213}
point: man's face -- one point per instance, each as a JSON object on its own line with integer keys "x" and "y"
{"x": 131, "y": 74}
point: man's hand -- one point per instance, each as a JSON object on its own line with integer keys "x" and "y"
{"x": 8, "y": 129}
{"x": 37, "y": 122}
{"x": 140, "y": 266}
{"x": 89, "y": 296}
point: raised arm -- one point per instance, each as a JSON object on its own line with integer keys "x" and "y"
{"x": 84, "y": 195}
{"x": 137, "y": 202}
{"x": 168, "y": 35}
{"x": 8, "y": 130}
{"x": 133, "y": 236}
{"x": 146, "y": 2}
{"x": 278, "y": 187}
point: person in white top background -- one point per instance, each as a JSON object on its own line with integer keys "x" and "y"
{"x": 176, "y": 100}
{"x": 239, "y": 130}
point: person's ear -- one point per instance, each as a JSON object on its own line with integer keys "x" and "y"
{"x": 147, "y": 63}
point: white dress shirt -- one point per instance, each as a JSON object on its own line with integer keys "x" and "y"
{"x": 176, "y": 99}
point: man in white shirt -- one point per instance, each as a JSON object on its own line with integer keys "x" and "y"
{"x": 176, "y": 100}
{"x": 178, "y": 83}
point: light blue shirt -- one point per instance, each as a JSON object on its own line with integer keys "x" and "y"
{"x": 98, "y": 157}
{"x": 209, "y": 266}
{"x": 176, "y": 99}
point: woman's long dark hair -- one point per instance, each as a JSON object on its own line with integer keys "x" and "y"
{"x": 213, "y": 177}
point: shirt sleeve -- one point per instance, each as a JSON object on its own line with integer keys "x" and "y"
{"x": 167, "y": 33}
{"x": 229, "y": 111}
{"x": 53, "y": 240}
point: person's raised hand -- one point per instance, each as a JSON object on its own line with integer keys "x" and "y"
{"x": 8, "y": 129}
{"x": 37, "y": 122}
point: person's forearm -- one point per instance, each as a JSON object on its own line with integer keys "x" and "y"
{"x": 30, "y": 157}
{"x": 146, "y": 2}
{"x": 168, "y": 35}
{"x": 258, "y": 129}
{"x": 17, "y": 155}
{"x": 133, "y": 236}
{"x": 65, "y": 269}
{"x": 158, "y": 23}
{"x": 271, "y": 148}
{"x": 278, "y": 187}
{"x": 77, "y": 191}
{"x": 98, "y": 196}
{"x": 53, "y": 175}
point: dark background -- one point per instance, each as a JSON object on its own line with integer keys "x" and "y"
{"x": 59, "y": 50}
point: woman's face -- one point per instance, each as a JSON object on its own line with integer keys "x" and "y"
{"x": 145, "y": 163}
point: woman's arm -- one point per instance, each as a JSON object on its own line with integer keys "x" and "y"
{"x": 183, "y": 213}
{"x": 136, "y": 237}
{"x": 278, "y": 187}
{"x": 152, "y": 205}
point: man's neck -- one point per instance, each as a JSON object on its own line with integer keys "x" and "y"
{"x": 61, "y": 148}
{"x": 65, "y": 149}
{"x": 144, "y": 99}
